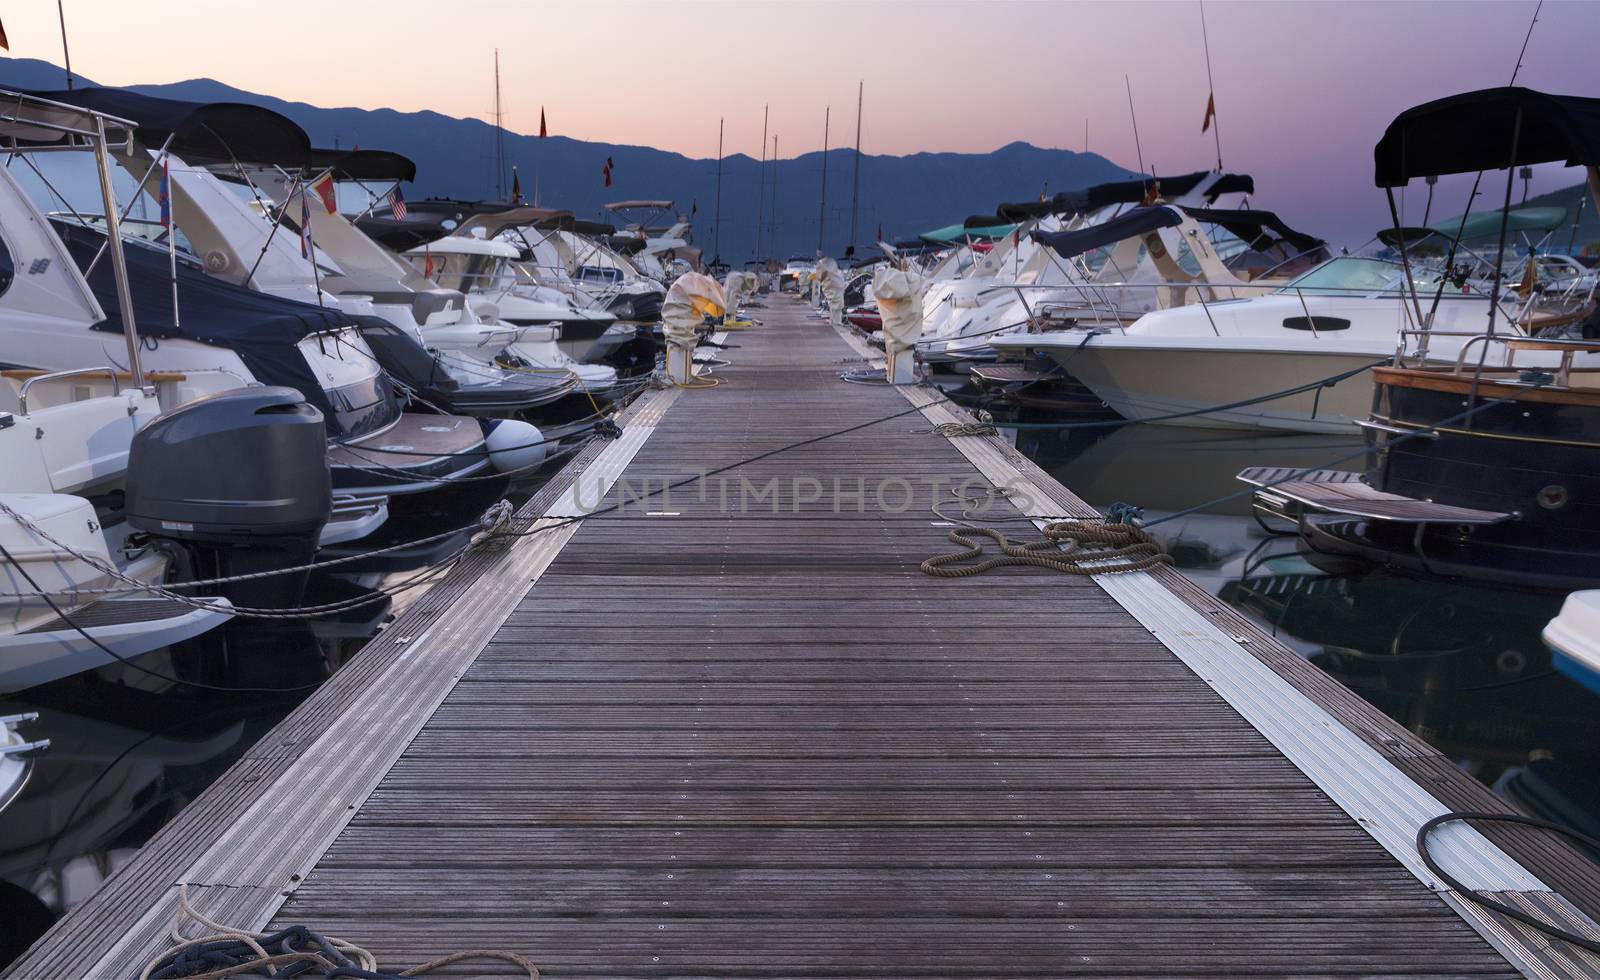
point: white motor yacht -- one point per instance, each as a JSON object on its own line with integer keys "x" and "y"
{"x": 1349, "y": 313}
{"x": 527, "y": 320}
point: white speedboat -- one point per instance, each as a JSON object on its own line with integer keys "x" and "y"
{"x": 457, "y": 370}
{"x": 526, "y": 322}
{"x": 16, "y": 756}
{"x": 1201, "y": 361}
{"x": 1573, "y": 637}
{"x": 559, "y": 276}
{"x": 66, "y": 439}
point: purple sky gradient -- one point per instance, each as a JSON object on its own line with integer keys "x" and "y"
{"x": 1304, "y": 89}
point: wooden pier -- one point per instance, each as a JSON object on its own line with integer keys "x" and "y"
{"x": 732, "y": 730}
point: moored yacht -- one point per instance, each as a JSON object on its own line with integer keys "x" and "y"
{"x": 1487, "y": 465}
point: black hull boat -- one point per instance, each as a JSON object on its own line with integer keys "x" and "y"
{"x": 1483, "y": 469}
{"x": 1533, "y": 457}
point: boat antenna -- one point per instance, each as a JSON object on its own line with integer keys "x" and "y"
{"x": 855, "y": 176}
{"x": 761, "y": 185}
{"x": 499, "y": 136}
{"x": 716, "y": 222}
{"x": 1216, "y": 126}
{"x": 1086, "y": 135}
{"x": 1455, "y": 242}
{"x": 65, "y": 54}
{"x": 1525, "y": 39}
{"x": 822, "y": 205}
{"x": 1136, "y": 149}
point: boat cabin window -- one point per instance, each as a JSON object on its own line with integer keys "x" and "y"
{"x": 599, "y": 274}
{"x": 8, "y": 267}
{"x": 1348, "y": 275}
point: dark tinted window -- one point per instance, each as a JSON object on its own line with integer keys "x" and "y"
{"x": 8, "y": 268}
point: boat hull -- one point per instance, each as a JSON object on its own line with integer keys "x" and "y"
{"x": 1149, "y": 383}
{"x": 1537, "y": 458}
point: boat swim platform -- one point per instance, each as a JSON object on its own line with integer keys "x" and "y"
{"x": 694, "y": 738}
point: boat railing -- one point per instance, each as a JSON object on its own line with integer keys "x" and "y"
{"x": 22, "y": 392}
{"x": 1513, "y": 343}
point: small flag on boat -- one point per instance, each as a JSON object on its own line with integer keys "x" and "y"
{"x": 327, "y": 193}
{"x": 543, "y": 130}
{"x": 516, "y": 187}
{"x": 4, "y": 41}
{"x": 427, "y": 261}
{"x": 305, "y": 227}
{"x": 880, "y": 234}
{"x": 397, "y": 205}
{"x": 1152, "y": 194}
{"x": 606, "y": 171}
{"x": 1211, "y": 112}
{"x": 164, "y": 196}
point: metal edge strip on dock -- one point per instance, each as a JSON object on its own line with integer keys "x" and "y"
{"x": 1387, "y": 803}
{"x": 244, "y": 875}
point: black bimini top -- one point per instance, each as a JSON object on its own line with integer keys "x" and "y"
{"x": 1135, "y": 191}
{"x": 1013, "y": 213}
{"x": 398, "y": 236}
{"x": 1139, "y": 221}
{"x": 201, "y": 132}
{"x": 1475, "y": 131}
{"x": 1258, "y": 229}
{"x": 362, "y": 164}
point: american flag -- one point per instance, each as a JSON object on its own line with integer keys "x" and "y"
{"x": 305, "y": 227}
{"x": 397, "y": 205}
{"x": 165, "y": 196}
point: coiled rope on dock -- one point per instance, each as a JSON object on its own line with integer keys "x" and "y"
{"x": 1073, "y": 547}
{"x": 295, "y": 951}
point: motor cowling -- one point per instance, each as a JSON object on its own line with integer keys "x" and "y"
{"x": 240, "y": 478}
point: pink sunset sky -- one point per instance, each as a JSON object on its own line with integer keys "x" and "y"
{"x": 1303, "y": 89}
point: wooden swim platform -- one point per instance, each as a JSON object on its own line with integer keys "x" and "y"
{"x": 732, "y": 730}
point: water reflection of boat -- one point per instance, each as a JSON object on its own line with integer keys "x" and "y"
{"x": 103, "y": 788}
{"x": 1164, "y": 470}
{"x": 1462, "y": 667}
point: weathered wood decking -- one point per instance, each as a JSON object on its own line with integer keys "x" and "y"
{"x": 743, "y": 735}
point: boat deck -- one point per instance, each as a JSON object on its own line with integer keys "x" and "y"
{"x": 732, "y": 730}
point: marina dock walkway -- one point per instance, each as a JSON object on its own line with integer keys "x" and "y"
{"x": 732, "y": 730}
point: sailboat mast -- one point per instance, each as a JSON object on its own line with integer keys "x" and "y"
{"x": 761, "y": 186}
{"x": 855, "y": 175}
{"x": 822, "y": 206}
{"x": 499, "y": 136}
{"x": 772, "y": 233}
{"x": 716, "y": 226}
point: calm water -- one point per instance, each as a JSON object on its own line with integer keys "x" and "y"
{"x": 1461, "y": 666}
{"x": 128, "y": 751}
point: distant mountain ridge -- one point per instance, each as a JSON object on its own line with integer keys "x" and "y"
{"x": 903, "y": 195}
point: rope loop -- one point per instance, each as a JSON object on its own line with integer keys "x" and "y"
{"x": 1072, "y": 547}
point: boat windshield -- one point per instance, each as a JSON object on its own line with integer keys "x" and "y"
{"x": 1348, "y": 275}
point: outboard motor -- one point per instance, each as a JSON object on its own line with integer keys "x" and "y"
{"x": 240, "y": 481}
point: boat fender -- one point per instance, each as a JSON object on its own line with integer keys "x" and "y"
{"x": 514, "y": 445}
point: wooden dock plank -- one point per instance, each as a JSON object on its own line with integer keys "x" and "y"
{"x": 760, "y": 742}
{"x": 724, "y": 740}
